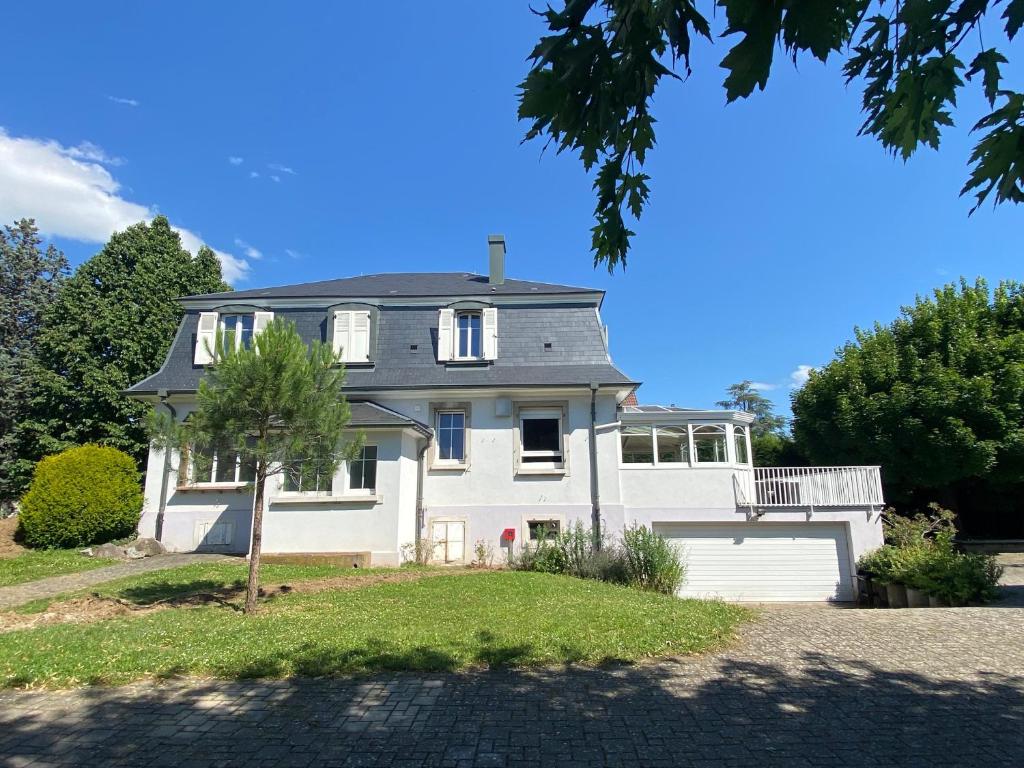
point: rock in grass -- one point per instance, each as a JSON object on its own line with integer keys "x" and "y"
{"x": 108, "y": 550}
{"x": 149, "y": 547}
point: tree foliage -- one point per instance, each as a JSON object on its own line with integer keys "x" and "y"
{"x": 743, "y": 397}
{"x": 936, "y": 398}
{"x": 276, "y": 405}
{"x": 108, "y": 327}
{"x": 29, "y": 279}
{"x": 593, "y": 78}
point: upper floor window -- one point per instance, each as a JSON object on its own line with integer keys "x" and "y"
{"x": 468, "y": 335}
{"x": 673, "y": 445}
{"x": 236, "y": 332}
{"x": 709, "y": 444}
{"x": 451, "y": 436}
{"x": 351, "y": 337}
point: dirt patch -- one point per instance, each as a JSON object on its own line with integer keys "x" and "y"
{"x": 85, "y": 610}
{"x": 8, "y": 546}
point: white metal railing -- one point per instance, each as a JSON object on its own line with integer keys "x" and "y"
{"x": 811, "y": 487}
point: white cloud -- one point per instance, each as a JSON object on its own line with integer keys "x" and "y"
{"x": 293, "y": 254}
{"x": 275, "y": 178}
{"x": 799, "y": 376}
{"x": 236, "y": 160}
{"x": 280, "y": 168}
{"x": 70, "y": 194}
{"x": 254, "y": 174}
{"x": 91, "y": 153}
{"x": 250, "y": 251}
{"x": 121, "y": 100}
{"x": 763, "y": 386}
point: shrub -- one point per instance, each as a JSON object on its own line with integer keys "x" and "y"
{"x": 85, "y": 495}
{"x": 642, "y": 559}
{"x": 652, "y": 563}
{"x": 483, "y": 554}
{"x": 417, "y": 552}
{"x": 903, "y": 531}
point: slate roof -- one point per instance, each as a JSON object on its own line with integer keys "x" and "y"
{"x": 366, "y": 413}
{"x": 576, "y": 357}
{"x": 407, "y": 284}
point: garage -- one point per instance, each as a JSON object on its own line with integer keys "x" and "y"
{"x": 764, "y": 562}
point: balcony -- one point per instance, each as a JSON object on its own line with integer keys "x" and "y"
{"x": 810, "y": 487}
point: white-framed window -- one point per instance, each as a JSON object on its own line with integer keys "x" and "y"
{"x": 543, "y": 530}
{"x": 309, "y": 475}
{"x": 351, "y": 337}
{"x": 673, "y": 445}
{"x": 710, "y": 444}
{"x": 468, "y": 335}
{"x": 637, "y": 444}
{"x": 210, "y": 467}
{"x": 451, "y": 437}
{"x": 540, "y": 435}
{"x": 236, "y": 331}
{"x": 739, "y": 437}
{"x": 362, "y": 471}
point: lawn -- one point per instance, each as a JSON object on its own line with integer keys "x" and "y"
{"x": 31, "y": 565}
{"x": 438, "y": 622}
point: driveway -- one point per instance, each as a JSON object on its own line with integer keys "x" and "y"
{"x": 803, "y": 686}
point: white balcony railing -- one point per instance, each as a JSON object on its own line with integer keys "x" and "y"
{"x": 811, "y": 487}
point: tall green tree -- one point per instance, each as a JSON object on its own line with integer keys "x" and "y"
{"x": 591, "y": 85}
{"x": 30, "y": 277}
{"x": 769, "y": 438}
{"x": 743, "y": 397}
{"x": 276, "y": 406}
{"x": 936, "y": 398}
{"x": 110, "y": 326}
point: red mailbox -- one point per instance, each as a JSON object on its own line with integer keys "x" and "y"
{"x": 508, "y": 535}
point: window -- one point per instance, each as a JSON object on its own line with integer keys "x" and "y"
{"x": 543, "y": 530}
{"x": 362, "y": 470}
{"x": 236, "y": 332}
{"x": 451, "y": 436}
{"x": 541, "y": 436}
{"x": 468, "y": 335}
{"x": 637, "y": 445}
{"x": 673, "y": 445}
{"x": 351, "y": 338}
{"x": 206, "y": 466}
{"x": 310, "y": 475}
{"x": 709, "y": 444}
{"x": 739, "y": 436}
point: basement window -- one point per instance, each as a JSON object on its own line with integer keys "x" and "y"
{"x": 543, "y": 530}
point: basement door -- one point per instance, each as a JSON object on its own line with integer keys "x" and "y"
{"x": 763, "y": 562}
{"x": 449, "y": 537}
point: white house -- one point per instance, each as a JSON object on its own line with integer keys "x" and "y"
{"x": 492, "y": 405}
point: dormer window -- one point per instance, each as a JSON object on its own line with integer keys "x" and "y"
{"x": 468, "y": 335}
{"x": 236, "y": 332}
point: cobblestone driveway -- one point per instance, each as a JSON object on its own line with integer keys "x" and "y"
{"x": 805, "y": 686}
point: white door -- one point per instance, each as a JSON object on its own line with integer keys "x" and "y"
{"x": 449, "y": 539}
{"x": 763, "y": 562}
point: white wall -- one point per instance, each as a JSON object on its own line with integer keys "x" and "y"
{"x": 683, "y": 487}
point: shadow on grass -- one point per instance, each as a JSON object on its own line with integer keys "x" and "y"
{"x": 813, "y": 709}
{"x": 197, "y": 592}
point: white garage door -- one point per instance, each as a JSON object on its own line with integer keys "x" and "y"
{"x": 763, "y": 562}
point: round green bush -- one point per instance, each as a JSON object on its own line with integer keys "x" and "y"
{"x": 86, "y": 495}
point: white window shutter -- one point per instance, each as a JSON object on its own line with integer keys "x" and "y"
{"x": 260, "y": 321}
{"x": 360, "y": 343}
{"x": 445, "y": 332}
{"x": 342, "y": 329}
{"x": 206, "y": 338}
{"x": 490, "y": 331}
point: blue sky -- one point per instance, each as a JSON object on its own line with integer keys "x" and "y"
{"x": 323, "y": 141}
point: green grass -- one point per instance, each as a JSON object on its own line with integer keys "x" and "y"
{"x": 43, "y": 563}
{"x": 439, "y": 623}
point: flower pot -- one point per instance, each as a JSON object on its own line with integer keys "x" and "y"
{"x": 936, "y": 602}
{"x": 916, "y": 598}
{"x": 896, "y": 595}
